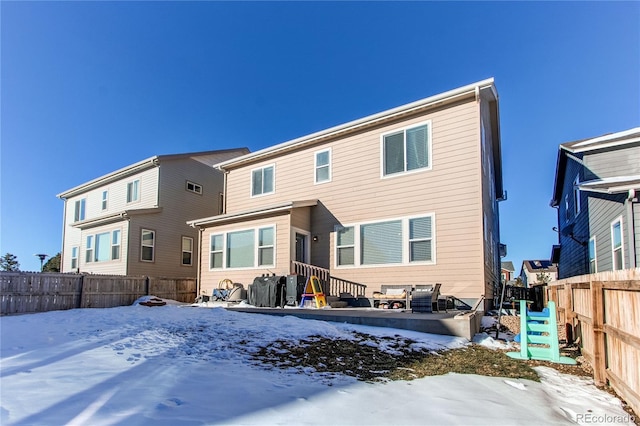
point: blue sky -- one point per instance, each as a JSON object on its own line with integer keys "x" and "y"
{"x": 90, "y": 87}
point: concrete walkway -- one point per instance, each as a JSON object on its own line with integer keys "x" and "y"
{"x": 452, "y": 323}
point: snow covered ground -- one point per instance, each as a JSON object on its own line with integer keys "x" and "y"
{"x": 180, "y": 365}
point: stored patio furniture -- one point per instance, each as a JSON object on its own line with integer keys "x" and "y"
{"x": 392, "y": 296}
{"x": 424, "y": 298}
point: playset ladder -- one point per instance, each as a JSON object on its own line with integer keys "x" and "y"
{"x": 313, "y": 289}
{"x": 540, "y": 329}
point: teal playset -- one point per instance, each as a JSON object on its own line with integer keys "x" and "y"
{"x": 539, "y": 335}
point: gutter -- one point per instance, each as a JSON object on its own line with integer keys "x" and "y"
{"x": 469, "y": 90}
{"x": 251, "y": 213}
{"x": 111, "y": 177}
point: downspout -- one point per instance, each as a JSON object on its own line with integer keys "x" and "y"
{"x": 64, "y": 232}
{"x": 199, "y": 268}
{"x": 631, "y": 228}
{"x": 224, "y": 192}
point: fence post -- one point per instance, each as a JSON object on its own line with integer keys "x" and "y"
{"x": 569, "y": 314}
{"x": 80, "y": 292}
{"x": 146, "y": 285}
{"x": 599, "y": 344}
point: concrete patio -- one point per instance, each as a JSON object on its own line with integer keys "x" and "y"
{"x": 452, "y": 323}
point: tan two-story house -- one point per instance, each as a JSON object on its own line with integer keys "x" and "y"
{"x": 405, "y": 196}
{"x": 132, "y": 221}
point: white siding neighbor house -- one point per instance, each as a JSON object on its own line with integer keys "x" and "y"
{"x": 132, "y": 221}
{"x": 405, "y": 196}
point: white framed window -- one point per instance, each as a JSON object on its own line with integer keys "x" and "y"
{"x": 406, "y": 150}
{"x": 216, "y": 257}
{"x": 247, "y": 248}
{"x": 345, "y": 246}
{"x": 147, "y": 245}
{"x": 133, "y": 191}
{"x": 323, "y": 166}
{"x": 576, "y": 196}
{"x": 617, "y": 244}
{"x": 103, "y": 247}
{"x": 263, "y": 181}
{"x": 266, "y": 247}
{"x": 593, "y": 265}
{"x": 74, "y": 257}
{"x": 80, "y": 210}
{"x": 105, "y": 200}
{"x": 398, "y": 241}
{"x": 381, "y": 243}
{"x": 194, "y": 187}
{"x": 240, "y": 249}
{"x": 115, "y": 245}
{"x": 187, "y": 251}
{"x": 420, "y": 239}
{"x": 89, "y": 249}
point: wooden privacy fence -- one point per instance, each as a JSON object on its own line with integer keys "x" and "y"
{"x": 28, "y": 292}
{"x": 602, "y": 313}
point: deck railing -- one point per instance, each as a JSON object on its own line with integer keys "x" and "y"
{"x": 335, "y": 286}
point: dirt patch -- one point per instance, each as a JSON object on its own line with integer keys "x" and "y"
{"x": 363, "y": 359}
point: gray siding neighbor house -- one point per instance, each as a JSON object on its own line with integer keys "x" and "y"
{"x": 132, "y": 221}
{"x": 405, "y": 196}
{"x": 596, "y": 195}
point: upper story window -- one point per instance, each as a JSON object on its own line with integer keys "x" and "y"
{"x": 187, "y": 251}
{"x": 262, "y": 181}
{"x": 80, "y": 208}
{"x": 576, "y": 196}
{"x": 406, "y": 150}
{"x": 133, "y": 191}
{"x": 323, "y": 166}
{"x": 105, "y": 200}
{"x": 617, "y": 245}
{"x": 194, "y": 187}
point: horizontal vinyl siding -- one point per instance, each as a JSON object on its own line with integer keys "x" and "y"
{"x": 603, "y": 210}
{"x": 110, "y": 267}
{"x": 211, "y": 277}
{"x": 178, "y": 206}
{"x": 616, "y": 162}
{"x": 357, "y": 193}
{"x": 116, "y": 202}
{"x": 574, "y": 259}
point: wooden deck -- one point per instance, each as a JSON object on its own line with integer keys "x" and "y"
{"x": 452, "y": 323}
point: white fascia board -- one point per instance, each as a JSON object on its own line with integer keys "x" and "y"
{"x": 251, "y": 213}
{"x": 473, "y": 88}
{"x": 114, "y": 217}
{"x": 118, "y": 174}
{"x": 607, "y": 141}
{"x": 611, "y": 185}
